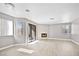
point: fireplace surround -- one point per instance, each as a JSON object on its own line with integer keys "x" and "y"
{"x": 43, "y": 35}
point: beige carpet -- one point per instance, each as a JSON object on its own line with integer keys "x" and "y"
{"x": 44, "y": 48}
{"x": 25, "y": 50}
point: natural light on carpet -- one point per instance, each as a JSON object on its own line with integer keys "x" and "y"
{"x": 25, "y": 50}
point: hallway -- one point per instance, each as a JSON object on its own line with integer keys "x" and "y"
{"x": 44, "y": 48}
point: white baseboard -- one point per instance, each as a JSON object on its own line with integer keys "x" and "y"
{"x": 59, "y": 39}
{"x": 56, "y": 39}
{"x": 6, "y": 47}
{"x": 12, "y": 46}
{"x": 75, "y": 42}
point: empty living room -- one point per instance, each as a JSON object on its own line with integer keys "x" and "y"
{"x": 39, "y": 29}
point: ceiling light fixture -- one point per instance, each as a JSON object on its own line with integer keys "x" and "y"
{"x": 51, "y": 18}
{"x": 27, "y": 10}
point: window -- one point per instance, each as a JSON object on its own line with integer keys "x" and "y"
{"x": 67, "y": 29}
{"x": 6, "y": 27}
{"x": 10, "y": 28}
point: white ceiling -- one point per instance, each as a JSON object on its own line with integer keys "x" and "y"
{"x": 42, "y": 12}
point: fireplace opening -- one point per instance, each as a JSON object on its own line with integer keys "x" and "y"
{"x": 43, "y": 34}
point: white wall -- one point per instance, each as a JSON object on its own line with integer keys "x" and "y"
{"x": 53, "y": 31}
{"x": 56, "y": 31}
{"x": 6, "y": 40}
{"x": 75, "y": 30}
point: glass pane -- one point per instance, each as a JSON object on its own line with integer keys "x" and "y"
{"x": 10, "y": 28}
{"x": 6, "y": 27}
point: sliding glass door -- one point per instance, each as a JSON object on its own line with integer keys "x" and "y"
{"x": 32, "y": 33}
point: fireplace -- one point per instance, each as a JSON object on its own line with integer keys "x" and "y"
{"x": 43, "y": 35}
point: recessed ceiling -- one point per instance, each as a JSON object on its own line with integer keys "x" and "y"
{"x": 42, "y": 12}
